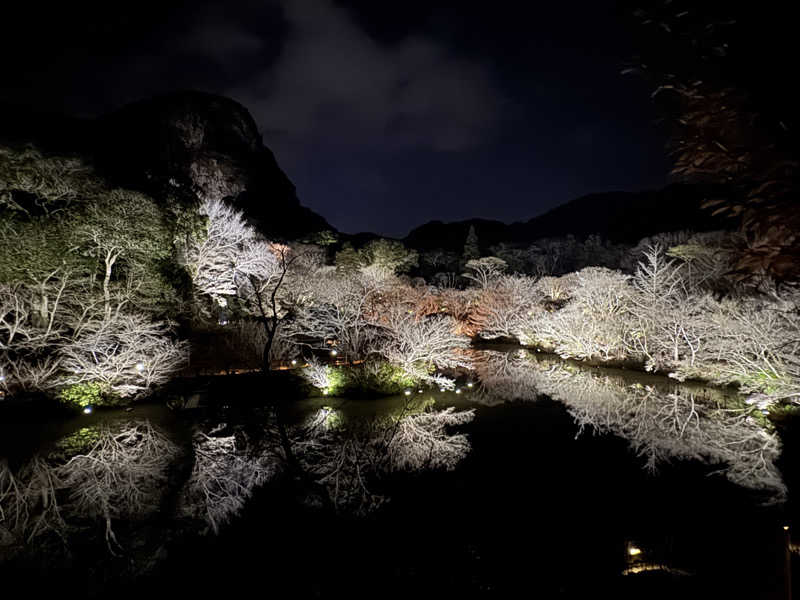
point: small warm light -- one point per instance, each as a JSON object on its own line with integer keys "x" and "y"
{"x": 407, "y": 392}
{"x": 786, "y": 528}
{"x": 294, "y": 362}
{"x": 419, "y": 391}
{"x": 441, "y": 389}
{"x": 458, "y": 391}
{"x": 469, "y": 385}
{"x": 324, "y": 392}
{"x": 334, "y": 353}
{"x": 634, "y": 551}
{"x": 87, "y": 410}
{"x": 140, "y": 367}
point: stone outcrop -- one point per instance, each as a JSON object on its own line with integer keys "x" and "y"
{"x": 184, "y": 147}
{"x": 207, "y": 145}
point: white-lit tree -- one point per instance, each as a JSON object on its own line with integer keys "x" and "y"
{"x": 128, "y": 354}
{"x": 485, "y": 270}
{"x": 509, "y": 305}
{"x": 592, "y": 323}
{"x": 213, "y": 258}
{"x": 421, "y": 345}
{"x": 339, "y": 313}
{"x": 234, "y": 261}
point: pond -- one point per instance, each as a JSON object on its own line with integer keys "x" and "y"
{"x": 566, "y": 491}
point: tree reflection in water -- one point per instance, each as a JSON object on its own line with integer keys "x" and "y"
{"x": 108, "y": 479}
{"x": 117, "y": 474}
{"x": 336, "y": 463}
{"x": 661, "y": 422}
{"x": 111, "y": 475}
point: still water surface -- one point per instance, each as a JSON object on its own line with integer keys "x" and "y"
{"x": 541, "y": 507}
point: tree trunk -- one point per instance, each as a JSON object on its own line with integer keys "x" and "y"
{"x": 265, "y": 364}
{"x": 44, "y": 312}
{"x": 106, "y": 281}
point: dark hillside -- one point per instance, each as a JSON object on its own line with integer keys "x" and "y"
{"x": 622, "y": 217}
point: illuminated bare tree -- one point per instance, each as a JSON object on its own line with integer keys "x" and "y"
{"x": 261, "y": 272}
{"x": 128, "y": 353}
{"x": 28, "y": 336}
{"x": 317, "y": 374}
{"x": 662, "y": 312}
{"x": 592, "y": 323}
{"x": 213, "y": 259}
{"x": 419, "y": 344}
{"x": 234, "y": 260}
{"x": 30, "y": 373}
{"x": 339, "y": 313}
{"x": 23, "y": 325}
{"x": 509, "y": 303}
{"x": 484, "y": 270}
{"x": 754, "y": 344}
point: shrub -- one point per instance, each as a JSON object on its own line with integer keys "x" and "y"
{"x": 80, "y": 395}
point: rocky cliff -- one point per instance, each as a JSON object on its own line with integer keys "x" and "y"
{"x": 186, "y": 145}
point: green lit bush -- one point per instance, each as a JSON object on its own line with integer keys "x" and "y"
{"x": 337, "y": 380}
{"x": 81, "y": 395}
{"x": 377, "y": 378}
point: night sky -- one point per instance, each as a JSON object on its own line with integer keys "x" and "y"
{"x": 385, "y": 115}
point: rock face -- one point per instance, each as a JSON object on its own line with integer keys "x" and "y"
{"x": 207, "y": 146}
{"x": 622, "y": 217}
{"x": 186, "y": 146}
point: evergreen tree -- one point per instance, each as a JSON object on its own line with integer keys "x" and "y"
{"x": 471, "y": 249}
{"x": 347, "y": 259}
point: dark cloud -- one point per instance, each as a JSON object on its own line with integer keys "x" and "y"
{"x": 334, "y": 80}
{"x": 222, "y": 43}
